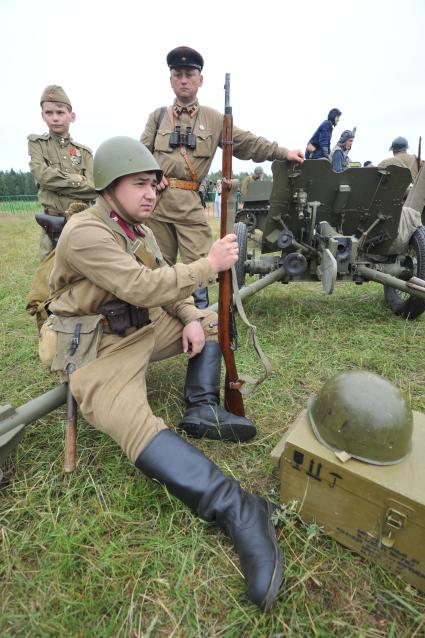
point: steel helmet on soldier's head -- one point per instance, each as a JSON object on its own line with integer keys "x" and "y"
{"x": 258, "y": 170}
{"x": 399, "y": 144}
{"x": 364, "y": 415}
{"x": 119, "y": 156}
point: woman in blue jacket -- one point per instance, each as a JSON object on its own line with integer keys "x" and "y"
{"x": 319, "y": 145}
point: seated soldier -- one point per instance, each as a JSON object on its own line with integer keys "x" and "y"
{"x": 339, "y": 156}
{"x": 109, "y": 271}
{"x": 401, "y": 157}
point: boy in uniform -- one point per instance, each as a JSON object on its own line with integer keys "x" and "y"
{"x": 62, "y": 168}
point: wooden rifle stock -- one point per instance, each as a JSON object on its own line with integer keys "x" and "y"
{"x": 233, "y": 401}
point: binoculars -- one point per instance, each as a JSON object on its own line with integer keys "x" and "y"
{"x": 188, "y": 139}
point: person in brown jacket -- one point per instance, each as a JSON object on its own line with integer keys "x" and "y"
{"x": 62, "y": 168}
{"x": 184, "y": 138}
{"x": 109, "y": 272}
{"x": 401, "y": 157}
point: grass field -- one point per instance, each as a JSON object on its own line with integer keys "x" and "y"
{"x": 104, "y": 552}
{"x": 14, "y": 206}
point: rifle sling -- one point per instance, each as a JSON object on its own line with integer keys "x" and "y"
{"x": 252, "y": 382}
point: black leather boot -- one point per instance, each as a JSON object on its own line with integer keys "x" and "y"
{"x": 204, "y": 417}
{"x": 200, "y": 297}
{"x": 245, "y": 517}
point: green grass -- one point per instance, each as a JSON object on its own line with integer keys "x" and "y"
{"x": 104, "y": 552}
{"x": 14, "y": 206}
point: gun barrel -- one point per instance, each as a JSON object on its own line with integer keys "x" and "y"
{"x": 227, "y": 107}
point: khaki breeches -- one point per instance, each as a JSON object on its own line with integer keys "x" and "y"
{"x": 192, "y": 240}
{"x": 111, "y": 391}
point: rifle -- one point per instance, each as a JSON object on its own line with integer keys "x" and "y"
{"x": 226, "y": 320}
{"x": 418, "y": 158}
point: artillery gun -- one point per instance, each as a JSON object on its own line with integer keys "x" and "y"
{"x": 357, "y": 226}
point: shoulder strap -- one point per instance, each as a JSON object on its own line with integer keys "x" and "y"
{"x": 158, "y": 121}
{"x": 160, "y": 117}
{"x": 34, "y": 137}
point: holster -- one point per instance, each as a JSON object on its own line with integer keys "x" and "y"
{"x": 52, "y": 224}
{"x": 121, "y": 315}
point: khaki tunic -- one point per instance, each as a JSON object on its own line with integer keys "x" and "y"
{"x": 178, "y": 220}
{"x": 93, "y": 262}
{"x": 405, "y": 160}
{"x": 63, "y": 172}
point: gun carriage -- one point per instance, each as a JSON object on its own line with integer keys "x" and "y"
{"x": 357, "y": 226}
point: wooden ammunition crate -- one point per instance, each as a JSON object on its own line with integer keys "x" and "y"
{"x": 378, "y": 511}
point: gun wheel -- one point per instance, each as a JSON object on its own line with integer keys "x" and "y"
{"x": 402, "y": 303}
{"x": 248, "y": 218}
{"x": 241, "y": 233}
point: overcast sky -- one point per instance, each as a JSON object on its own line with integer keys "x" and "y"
{"x": 290, "y": 63}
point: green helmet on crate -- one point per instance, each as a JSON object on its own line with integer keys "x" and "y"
{"x": 364, "y": 415}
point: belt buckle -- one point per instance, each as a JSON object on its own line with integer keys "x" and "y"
{"x": 172, "y": 182}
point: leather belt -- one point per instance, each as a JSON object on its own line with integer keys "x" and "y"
{"x": 173, "y": 182}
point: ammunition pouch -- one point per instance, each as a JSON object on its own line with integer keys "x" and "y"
{"x": 120, "y": 316}
{"x": 52, "y": 225}
{"x": 65, "y": 340}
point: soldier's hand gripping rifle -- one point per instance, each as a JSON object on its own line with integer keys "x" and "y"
{"x": 226, "y": 321}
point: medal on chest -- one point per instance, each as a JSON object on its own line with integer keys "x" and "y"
{"x": 75, "y": 155}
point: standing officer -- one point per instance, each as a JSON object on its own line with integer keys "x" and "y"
{"x": 62, "y": 168}
{"x": 108, "y": 270}
{"x": 184, "y": 138}
{"x": 401, "y": 157}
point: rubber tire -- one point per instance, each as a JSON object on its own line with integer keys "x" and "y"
{"x": 409, "y": 307}
{"x": 247, "y": 217}
{"x": 241, "y": 233}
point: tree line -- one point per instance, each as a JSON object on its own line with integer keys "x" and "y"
{"x": 240, "y": 176}
{"x": 13, "y": 183}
